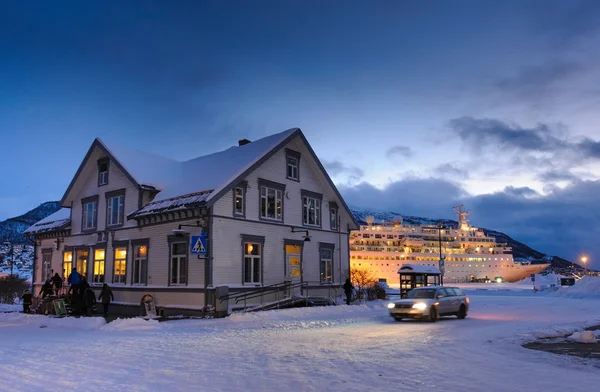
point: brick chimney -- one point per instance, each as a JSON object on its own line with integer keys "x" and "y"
{"x": 243, "y": 142}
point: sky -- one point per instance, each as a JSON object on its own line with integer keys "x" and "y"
{"x": 411, "y": 106}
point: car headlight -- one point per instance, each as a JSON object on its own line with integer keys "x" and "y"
{"x": 391, "y": 306}
{"x": 420, "y": 306}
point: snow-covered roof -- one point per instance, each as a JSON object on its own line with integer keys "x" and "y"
{"x": 418, "y": 268}
{"x": 59, "y": 220}
{"x": 170, "y": 205}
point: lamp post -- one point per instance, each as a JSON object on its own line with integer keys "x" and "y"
{"x": 584, "y": 260}
{"x": 441, "y": 265}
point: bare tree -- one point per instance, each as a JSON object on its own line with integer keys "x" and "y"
{"x": 361, "y": 279}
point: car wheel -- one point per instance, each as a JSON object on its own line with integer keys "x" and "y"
{"x": 397, "y": 318}
{"x": 433, "y": 315}
{"x": 462, "y": 312}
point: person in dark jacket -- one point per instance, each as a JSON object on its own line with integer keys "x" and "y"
{"x": 46, "y": 289}
{"x": 57, "y": 281}
{"x": 348, "y": 287}
{"x": 74, "y": 279}
{"x": 89, "y": 300}
{"x": 106, "y": 295}
{"x": 83, "y": 285}
{"x": 27, "y": 299}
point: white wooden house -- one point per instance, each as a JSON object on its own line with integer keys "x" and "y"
{"x": 268, "y": 210}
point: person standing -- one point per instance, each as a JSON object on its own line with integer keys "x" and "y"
{"x": 57, "y": 280}
{"x": 74, "y": 280}
{"x": 89, "y": 300}
{"x": 27, "y": 299}
{"x": 106, "y": 296}
{"x": 348, "y": 287}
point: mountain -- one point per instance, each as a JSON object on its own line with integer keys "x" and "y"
{"x": 12, "y": 229}
{"x": 520, "y": 250}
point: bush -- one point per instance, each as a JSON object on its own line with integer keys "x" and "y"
{"x": 376, "y": 291}
{"x": 12, "y": 288}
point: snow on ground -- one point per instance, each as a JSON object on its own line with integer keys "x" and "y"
{"x": 341, "y": 348}
{"x": 10, "y": 308}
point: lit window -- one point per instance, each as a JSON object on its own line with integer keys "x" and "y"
{"x": 120, "y": 269}
{"x": 67, "y": 264}
{"x": 271, "y": 203}
{"x": 140, "y": 264}
{"x": 82, "y": 261}
{"x": 239, "y": 200}
{"x": 99, "y": 256}
{"x": 251, "y": 262}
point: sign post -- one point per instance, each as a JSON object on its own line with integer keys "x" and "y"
{"x": 199, "y": 245}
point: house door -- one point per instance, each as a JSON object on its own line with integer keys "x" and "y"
{"x": 293, "y": 257}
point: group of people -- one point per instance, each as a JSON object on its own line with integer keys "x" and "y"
{"x": 78, "y": 287}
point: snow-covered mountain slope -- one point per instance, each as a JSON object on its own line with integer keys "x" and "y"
{"x": 12, "y": 229}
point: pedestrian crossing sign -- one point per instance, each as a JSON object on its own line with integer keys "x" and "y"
{"x": 198, "y": 245}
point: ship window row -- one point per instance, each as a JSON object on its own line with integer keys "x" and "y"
{"x": 465, "y": 259}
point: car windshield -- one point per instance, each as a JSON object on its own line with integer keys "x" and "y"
{"x": 421, "y": 293}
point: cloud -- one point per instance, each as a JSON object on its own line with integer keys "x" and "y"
{"x": 338, "y": 169}
{"x": 414, "y": 196}
{"x": 479, "y": 133}
{"x": 452, "y": 171}
{"x": 399, "y": 151}
{"x": 556, "y": 175}
{"x": 560, "y": 223}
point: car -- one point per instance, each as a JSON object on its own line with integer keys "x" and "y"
{"x": 430, "y": 303}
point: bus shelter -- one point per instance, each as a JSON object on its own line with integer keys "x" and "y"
{"x": 416, "y": 275}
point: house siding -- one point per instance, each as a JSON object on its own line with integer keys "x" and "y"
{"x": 158, "y": 264}
{"x": 87, "y": 186}
{"x": 228, "y": 229}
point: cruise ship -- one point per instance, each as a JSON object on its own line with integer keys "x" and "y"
{"x": 466, "y": 253}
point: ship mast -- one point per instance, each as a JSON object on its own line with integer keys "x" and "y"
{"x": 463, "y": 221}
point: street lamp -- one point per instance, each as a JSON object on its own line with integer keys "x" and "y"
{"x": 441, "y": 265}
{"x": 584, "y": 260}
{"x": 12, "y": 256}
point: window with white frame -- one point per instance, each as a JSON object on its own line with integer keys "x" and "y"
{"x": 90, "y": 214}
{"x": 178, "y": 263}
{"x": 239, "y": 200}
{"x": 67, "y": 264}
{"x": 311, "y": 208}
{"x": 115, "y": 210}
{"x": 333, "y": 216}
{"x": 46, "y": 264}
{"x": 271, "y": 203}
{"x": 252, "y": 261}
{"x": 102, "y": 172}
{"x": 120, "y": 266}
{"x": 326, "y": 263}
{"x": 99, "y": 258}
{"x": 292, "y": 168}
{"x": 140, "y": 264}
{"x": 292, "y": 159}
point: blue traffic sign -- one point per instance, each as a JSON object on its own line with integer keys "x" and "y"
{"x": 198, "y": 244}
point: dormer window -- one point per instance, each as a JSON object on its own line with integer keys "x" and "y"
{"x": 103, "y": 172}
{"x": 292, "y": 159}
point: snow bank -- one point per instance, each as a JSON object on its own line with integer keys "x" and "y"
{"x": 583, "y": 337}
{"x": 39, "y": 321}
{"x": 10, "y": 308}
{"x": 588, "y": 287}
{"x": 131, "y": 324}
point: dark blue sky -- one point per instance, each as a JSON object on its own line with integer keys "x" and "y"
{"x": 415, "y": 104}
